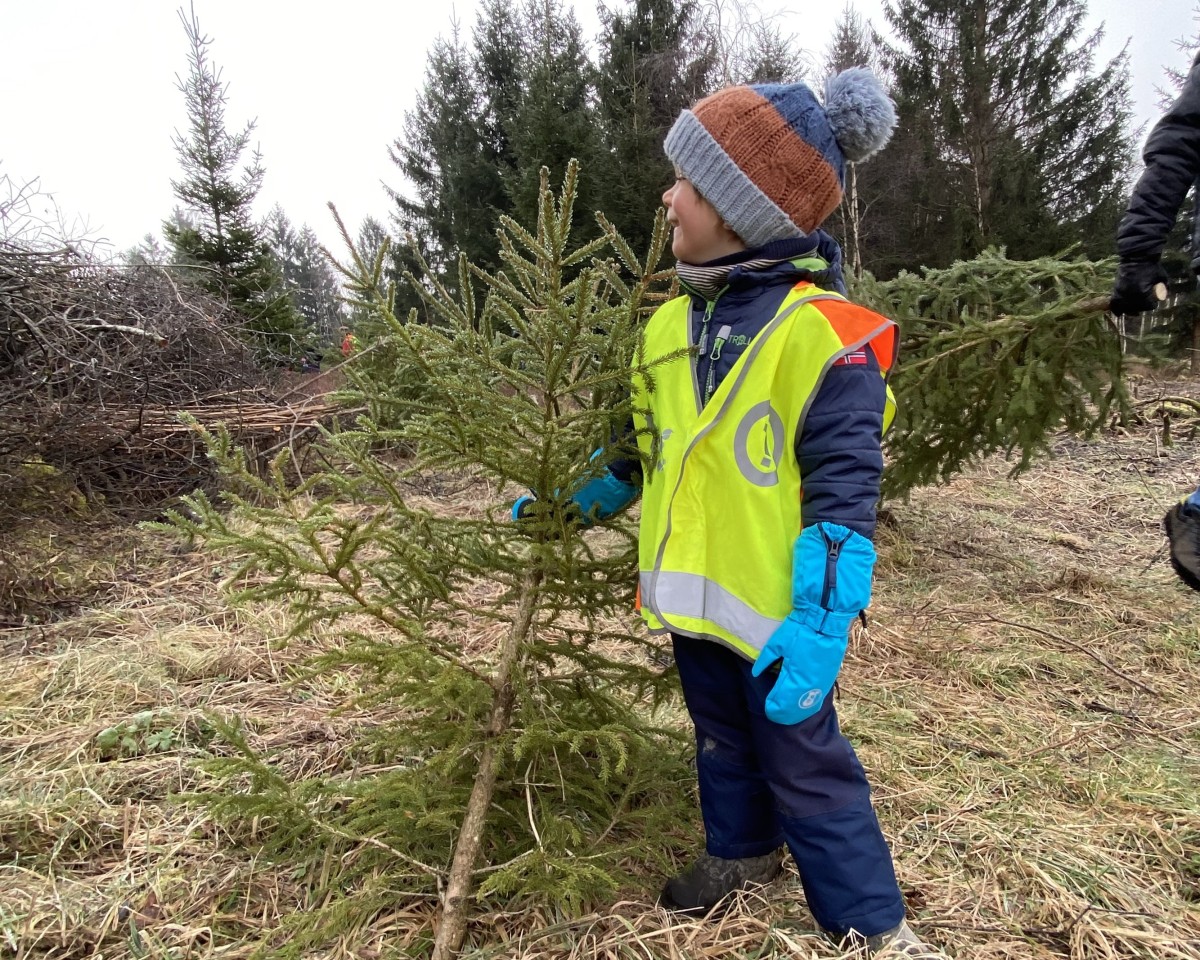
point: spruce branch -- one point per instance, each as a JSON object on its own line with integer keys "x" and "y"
{"x": 995, "y": 355}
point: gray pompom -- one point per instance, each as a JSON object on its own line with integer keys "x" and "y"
{"x": 860, "y": 112}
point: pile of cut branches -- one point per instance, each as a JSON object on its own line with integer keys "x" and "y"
{"x": 98, "y": 361}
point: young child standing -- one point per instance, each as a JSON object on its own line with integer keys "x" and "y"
{"x": 763, "y": 464}
{"x": 757, "y": 521}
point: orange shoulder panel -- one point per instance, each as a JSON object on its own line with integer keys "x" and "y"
{"x": 854, "y": 324}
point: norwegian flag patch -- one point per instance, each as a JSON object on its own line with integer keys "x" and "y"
{"x": 851, "y": 359}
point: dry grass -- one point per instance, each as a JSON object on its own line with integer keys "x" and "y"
{"x": 1027, "y": 701}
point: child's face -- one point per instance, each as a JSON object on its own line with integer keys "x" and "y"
{"x": 700, "y": 234}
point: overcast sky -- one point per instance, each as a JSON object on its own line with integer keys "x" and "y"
{"x": 88, "y": 98}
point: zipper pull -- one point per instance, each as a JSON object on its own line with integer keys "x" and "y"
{"x": 722, "y": 336}
{"x": 833, "y": 550}
{"x": 709, "y": 305}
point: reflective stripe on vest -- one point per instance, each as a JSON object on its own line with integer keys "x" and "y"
{"x": 721, "y": 501}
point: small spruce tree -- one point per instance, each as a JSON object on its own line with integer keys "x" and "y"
{"x": 526, "y": 762}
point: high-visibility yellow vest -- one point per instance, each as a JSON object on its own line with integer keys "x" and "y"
{"x": 721, "y": 491}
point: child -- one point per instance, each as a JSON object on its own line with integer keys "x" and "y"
{"x": 757, "y": 575}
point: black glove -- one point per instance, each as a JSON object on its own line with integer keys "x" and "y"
{"x": 1133, "y": 293}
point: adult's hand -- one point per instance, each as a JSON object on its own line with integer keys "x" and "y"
{"x": 1140, "y": 287}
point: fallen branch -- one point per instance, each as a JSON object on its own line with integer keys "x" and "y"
{"x": 124, "y": 328}
{"x": 1076, "y": 646}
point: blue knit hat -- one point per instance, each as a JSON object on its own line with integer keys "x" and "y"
{"x": 771, "y": 159}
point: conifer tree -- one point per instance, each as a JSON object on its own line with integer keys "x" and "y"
{"x": 498, "y": 63}
{"x": 441, "y": 157}
{"x": 654, "y": 62}
{"x": 307, "y": 276}
{"x": 1021, "y": 142}
{"x": 852, "y": 46}
{"x": 1187, "y": 45}
{"x": 771, "y": 56}
{"x": 487, "y": 120}
{"x": 371, "y": 243}
{"x": 525, "y": 763}
{"x": 749, "y": 45}
{"x": 556, "y": 119}
{"x": 372, "y": 237}
{"x": 217, "y": 235}
{"x": 148, "y": 253}
{"x": 318, "y": 296}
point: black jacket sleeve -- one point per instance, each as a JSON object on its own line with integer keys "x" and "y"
{"x": 1172, "y": 156}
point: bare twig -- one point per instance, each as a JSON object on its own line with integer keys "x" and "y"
{"x": 1076, "y": 646}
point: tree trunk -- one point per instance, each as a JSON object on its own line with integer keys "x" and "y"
{"x": 1196, "y": 347}
{"x": 452, "y": 924}
{"x": 855, "y": 222}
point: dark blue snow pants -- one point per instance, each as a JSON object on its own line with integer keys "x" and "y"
{"x": 763, "y": 784}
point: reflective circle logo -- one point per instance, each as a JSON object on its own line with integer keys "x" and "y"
{"x": 809, "y": 699}
{"x": 758, "y": 444}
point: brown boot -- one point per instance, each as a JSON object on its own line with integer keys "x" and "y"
{"x": 710, "y": 879}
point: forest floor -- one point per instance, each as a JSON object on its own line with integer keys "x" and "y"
{"x": 1026, "y": 702}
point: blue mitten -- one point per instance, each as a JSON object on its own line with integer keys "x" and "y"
{"x": 521, "y": 508}
{"x": 597, "y": 499}
{"x": 831, "y": 585}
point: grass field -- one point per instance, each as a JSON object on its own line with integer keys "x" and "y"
{"x": 1026, "y": 701}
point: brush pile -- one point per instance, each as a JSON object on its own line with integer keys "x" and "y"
{"x": 98, "y": 362}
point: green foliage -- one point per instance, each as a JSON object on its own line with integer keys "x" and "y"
{"x": 995, "y": 355}
{"x": 1009, "y": 136}
{"x": 486, "y": 640}
{"x": 555, "y": 119}
{"x": 490, "y": 115}
{"x": 151, "y": 731}
{"x": 308, "y": 280}
{"x": 442, "y": 158}
{"x": 653, "y": 64}
{"x": 215, "y": 236}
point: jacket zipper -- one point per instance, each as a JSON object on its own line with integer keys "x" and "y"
{"x": 709, "y": 307}
{"x": 709, "y": 384}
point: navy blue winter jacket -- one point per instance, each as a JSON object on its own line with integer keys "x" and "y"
{"x": 838, "y": 448}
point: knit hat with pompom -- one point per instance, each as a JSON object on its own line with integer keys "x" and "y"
{"x": 772, "y": 159}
